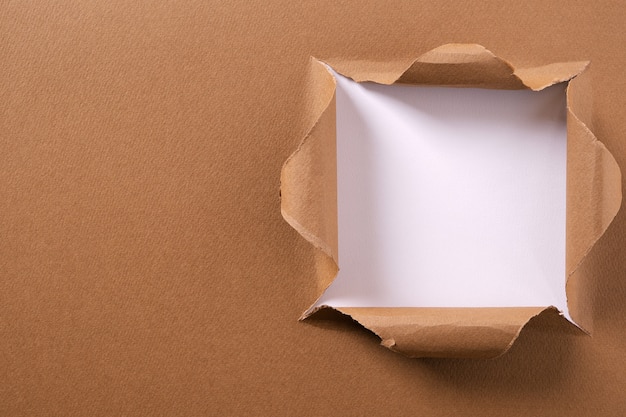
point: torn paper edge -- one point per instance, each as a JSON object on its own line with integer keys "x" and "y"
{"x": 307, "y": 199}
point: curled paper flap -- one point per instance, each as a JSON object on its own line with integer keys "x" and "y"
{"x": 594, "y": 196}
{"x": 458, "y": 65}
{"x": 309, "y": 178}
{"x": 309, "y": 196}
{"x": 445, "y": 332}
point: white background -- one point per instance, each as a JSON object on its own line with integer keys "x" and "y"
{"x": 450, "y": 197}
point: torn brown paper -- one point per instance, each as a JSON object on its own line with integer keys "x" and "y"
{"x": 309, "y": 196}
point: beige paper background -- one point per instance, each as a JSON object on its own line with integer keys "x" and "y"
{"x": 145, "y": 268}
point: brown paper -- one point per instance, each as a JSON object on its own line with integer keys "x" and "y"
{"x": 309, "y": 196}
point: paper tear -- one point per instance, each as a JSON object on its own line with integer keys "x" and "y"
{"x": 308, "y": 196}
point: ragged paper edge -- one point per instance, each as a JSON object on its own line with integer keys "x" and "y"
{"x": 477, "y": 333}
{"x": 594, "y": 197}
{"x": 308, "y": 179}
{"x": 457, "y": 65}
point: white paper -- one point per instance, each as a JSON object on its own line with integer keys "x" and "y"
{"x": 450, "y": 197}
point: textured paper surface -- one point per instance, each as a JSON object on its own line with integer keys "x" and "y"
{"x": 593, "y": 188}
{"x": 145, "y": 268}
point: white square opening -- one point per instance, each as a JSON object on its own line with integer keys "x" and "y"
{"x": 450, "y": 197}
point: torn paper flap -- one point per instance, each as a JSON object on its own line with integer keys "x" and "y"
{"x": 445, "y": 332}
{"x": 594, "y": 196}
{"x": 309, "y": 176}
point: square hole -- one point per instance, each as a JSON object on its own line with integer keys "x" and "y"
{"x": 450, "y": 197}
